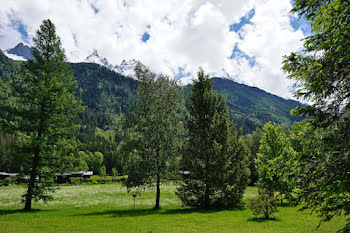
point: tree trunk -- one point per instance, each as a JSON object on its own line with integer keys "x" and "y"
{"x": 158, "y": 192}
{"x": 207, "y": 185}
{"x": 267, "y": 213}
{"x": 33, "y": 173}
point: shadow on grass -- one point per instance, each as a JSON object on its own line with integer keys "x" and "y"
{"x": 288, "y": 204}
{"x": 262, "y": 219}
{"x": 6, "y": 212}
{"x": 144, "y": 212}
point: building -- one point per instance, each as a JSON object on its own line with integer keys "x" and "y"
{"x": 12, "y": 176}
{"x": 65, "y": 177}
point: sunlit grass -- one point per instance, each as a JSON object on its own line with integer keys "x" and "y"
{"x": 110, "y": 208}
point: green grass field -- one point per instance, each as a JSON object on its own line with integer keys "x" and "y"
{"x": 109, "y": 208}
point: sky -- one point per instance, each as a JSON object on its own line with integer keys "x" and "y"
{"x": 244, "y": 40}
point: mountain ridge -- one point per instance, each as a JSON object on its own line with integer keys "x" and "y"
{"x": 249, "y": 107}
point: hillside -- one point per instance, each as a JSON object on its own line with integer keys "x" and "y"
{"x": 104, "y": 91}
{"x": 251, "y": 107}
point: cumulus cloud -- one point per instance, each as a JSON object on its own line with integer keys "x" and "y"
{"x": 183, "y": 34}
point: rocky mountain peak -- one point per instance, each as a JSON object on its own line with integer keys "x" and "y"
{"x": 20, "y": 52}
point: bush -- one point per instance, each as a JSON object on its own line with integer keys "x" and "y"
{"x": 7, "y": 181}
{"x": 76, "y": 180}
{"x": 103, "y": 170}
{"x": 264, "y": 204}
{"x": 105, "y": 179}
{"x": 114, "y": 172}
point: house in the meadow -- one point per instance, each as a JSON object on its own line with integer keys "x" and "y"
{"x": 65, "y": 177}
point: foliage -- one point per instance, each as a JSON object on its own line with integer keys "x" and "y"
{"x": 214, "y": 162}
{"x": 42, "y": 112}
{"x": 264, "y": 204}
{"x": 93, "y": 160}
{"x": 114, "y": 172}
{"x": 322, "y": 168}
{"x": 275, "y": 161}
{"x": 253, "y": 143}
{"x": 322, "y": 77}
{"x": 7, "y": 181}
{"x": 106, "y": 179}
{"x": 155, "y": 119}
{"x": 102, "y": 171}
{"x": 76, "y": 180}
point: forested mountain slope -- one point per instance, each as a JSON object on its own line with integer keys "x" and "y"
{"x": 104, "y": 92}
{"x": 251, "y": 107}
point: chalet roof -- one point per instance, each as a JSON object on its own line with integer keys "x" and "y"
{"x": 8, "y": 174}
{"x": 83, "y": 173}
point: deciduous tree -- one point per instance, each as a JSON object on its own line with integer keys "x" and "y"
{"x": 155, "y": 121}
{"x": 275, "y": 161}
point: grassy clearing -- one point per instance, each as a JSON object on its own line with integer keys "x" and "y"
{"x": 109, "y": 208}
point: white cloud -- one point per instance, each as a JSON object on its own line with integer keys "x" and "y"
{"x": 185, "y": 34}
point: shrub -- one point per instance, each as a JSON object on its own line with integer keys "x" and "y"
{"x": 7, "y": 181}
{"x": 264, "y": 204}
{"x": 114, "y": 172}
{"x": 105, "y": 179}
{"x": 76, "y": 180}
{"x": 103, "y": 170}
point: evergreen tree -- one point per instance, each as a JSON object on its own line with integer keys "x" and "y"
{"x": 322, "y": 77}
{"x": 155, "y": 121}
{"x": 44, "y": 107}
{"x": 215, "y": 171}
{"x": 253, "y": 143}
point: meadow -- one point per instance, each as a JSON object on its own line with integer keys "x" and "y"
{"x": 110, "y": 208}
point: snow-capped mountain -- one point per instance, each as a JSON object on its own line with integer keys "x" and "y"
{"x": 125, "y": 68}
{"x": 19, "y": 52}
{"x": 94, "y": 57}
{"x": 23, "y": 52}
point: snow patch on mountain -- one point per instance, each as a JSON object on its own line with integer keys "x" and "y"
{"x": 94, "y": 57}
{"x": 126, "y": 68}
{"x": 14, "y": 57}
{"x": 21, "y": 51}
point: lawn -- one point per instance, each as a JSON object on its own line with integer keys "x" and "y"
{"x": 109, "y": 208}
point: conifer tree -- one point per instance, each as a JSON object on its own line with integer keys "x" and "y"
{"x": 215, "y": 163}
{"x": 43, "y": 109}
{"x": 322, "y": 77}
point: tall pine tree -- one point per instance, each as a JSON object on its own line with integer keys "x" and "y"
{"x": 215, "y": 163}
{"x": 44, "y": 107}
{"x": 322, "y": 76}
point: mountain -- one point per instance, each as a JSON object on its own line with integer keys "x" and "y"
{"x": 103, "y": 90}
{"x": 251, "y": 107}
{"x": 105, "y": 94}
{"x": 126, "y": 68}
{"x": 23, "y": 52}
{"x": 94, "y": 57}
